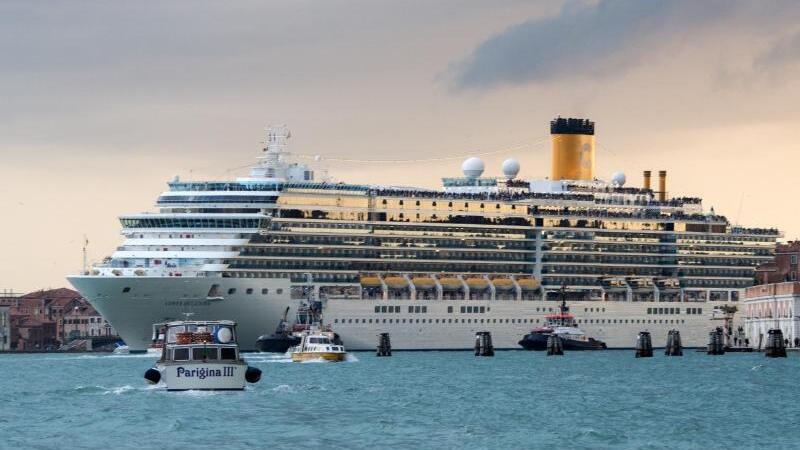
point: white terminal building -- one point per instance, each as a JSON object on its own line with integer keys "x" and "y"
{"x": 772, "y": 306}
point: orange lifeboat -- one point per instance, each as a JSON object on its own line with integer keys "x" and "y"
{"x": 450, "y": 283}
{"x": 396, "y": 282}
{"x": 423, "y": 282}
{"x": 528, "y": 284}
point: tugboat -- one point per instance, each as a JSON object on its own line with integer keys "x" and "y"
{"x": 201, "y": 355}
{"x": 562, "y": 324}
{"x": 308, "y": 313}
{"x": 318, "y": 344}
{"x": 281, "y": 340}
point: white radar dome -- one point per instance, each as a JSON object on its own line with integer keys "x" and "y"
{"x": 472, "y": 167}
{"x": 618, "y": 179}
{"x": 510, "y": 168}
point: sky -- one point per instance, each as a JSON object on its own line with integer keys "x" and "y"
{"x": 102, "y": 102}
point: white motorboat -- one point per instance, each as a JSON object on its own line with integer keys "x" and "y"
{"x": 202, "y": 355}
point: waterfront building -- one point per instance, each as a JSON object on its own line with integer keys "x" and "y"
{"x": 784, "y": 267}
{"x": 770, "y": 306}
{"x": 45, "y": 319}
{"x": 82, "y": 321}
{"x": 430, "y": 266}
{"x": 5, "y": 329}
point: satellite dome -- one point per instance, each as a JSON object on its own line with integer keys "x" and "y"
{"x": 510, "y": 168}
{"x": 618, "y": 179}
{"x": 472, "y": 167}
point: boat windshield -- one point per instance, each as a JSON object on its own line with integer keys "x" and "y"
{"x": 319, "y": 340}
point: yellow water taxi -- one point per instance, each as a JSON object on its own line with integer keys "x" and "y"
{"x": 317, "y": 345}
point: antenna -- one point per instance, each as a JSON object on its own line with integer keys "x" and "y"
{"x": 85, "y": 244}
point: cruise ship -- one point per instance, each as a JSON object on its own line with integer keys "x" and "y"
{"x": 430, "y": 266}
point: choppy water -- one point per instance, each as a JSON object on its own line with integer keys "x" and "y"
{"x": 437, "y": 400}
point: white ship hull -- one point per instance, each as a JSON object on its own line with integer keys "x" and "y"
{"x": 509, "y": 321}
{"x": 158, "y": 299}
{"x": 161, "y": 299}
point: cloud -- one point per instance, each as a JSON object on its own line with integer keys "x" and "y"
{"x": 608, "y": 37}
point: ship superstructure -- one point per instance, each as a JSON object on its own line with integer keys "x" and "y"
{"x": 430, "y": 266}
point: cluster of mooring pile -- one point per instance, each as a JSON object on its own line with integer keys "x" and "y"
{"x": 775, "y": 345}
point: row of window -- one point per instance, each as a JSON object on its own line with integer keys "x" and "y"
{"x": 674, "y": 310}
{"x": 216, "y": 199}
{"x": 203, "y": 354}
{"x": 193, "y": 222}
{"x": 513, "y": 321}
{"x": 396, "y": 309}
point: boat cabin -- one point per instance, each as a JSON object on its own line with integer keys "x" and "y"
{"x": 200, "y": 341}
{"x": 318, "y": 343}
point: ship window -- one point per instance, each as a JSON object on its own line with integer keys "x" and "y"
{"x": 469, "y": 320}
{"x": 384, "y": 320}
{"x": 180, "y": 354}
{"x": 126, "y": 289}
{"x": 469, "y": 309}
{"x": 383, "y": 309}
{"x": 349, "y": 320}
{"x": 231, "y": 291}
{"x": 410, "y": 309}
{"x": 483, "y": 309}
{"x": 417, "y": 320}
{"x": 404, "y": 320}
{"x": 449, "y": 309}
{"x": 249, "y": 290}
{"x": 390, "y": 320}
{"x": 417, "y": 309}
{"x": 264, "y": 291}
{"x": 377, "y": 309}
{"x": 279, "y": 291}
{"x": 463, "y": 309}
{"x": 335, "y": 320}
{"x": 437, "y": 320}
{"x": 370, "y": 320}
{"x": 450, "y": 204}
{"x": 200, "y": 354}
{"x": 424, "y": 309}
{"x": 417, "y": 202}
{"x": 227, "y": 353}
